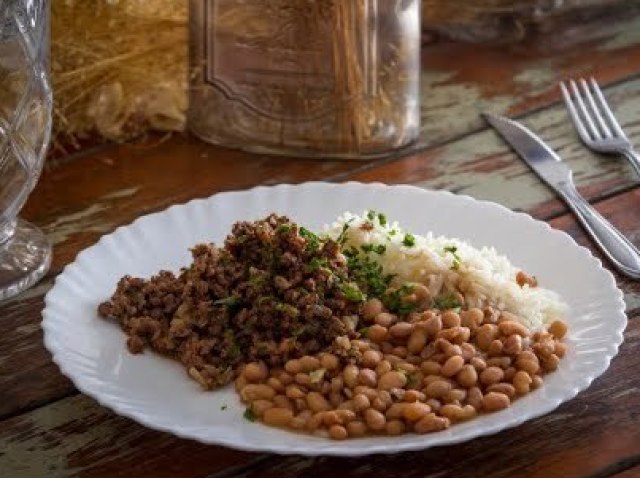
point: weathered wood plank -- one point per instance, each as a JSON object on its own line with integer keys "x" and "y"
{"x": 623, "y": 211}
{"x": 459, "y": 81}
{"x": 28, "y": 377}
{"x": 77, "y": 437}
{"x": 481, "y": 165}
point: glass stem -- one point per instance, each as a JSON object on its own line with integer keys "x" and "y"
{"x": 7, "y": 229}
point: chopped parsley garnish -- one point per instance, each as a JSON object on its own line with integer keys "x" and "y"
{"x": 313, "y": 241}
{"x": 223, "y": 407}
{"x": 364, "y": 331}
{"x": 351, "y": 253}
{"x": 352, "y": 292}
{"x": 342, "y": 238}
{"x": 446, "y": 301}
{"x": 298, "y": 331}
{"x": 393, "y": 232}
{"x": 367, "y": 273}
{"x": 284, "y": 228}
{"x": 250, "y": 415}
{"x": 257, "y": 280}
{"x": 382, "y": 219}
{"x": 230, "y": 301}
{"x": 264, "y": 299}
{"x": 287, "y": 309}
{"x": 367, "y": 247}
{"x": 317, "y": 263}
{"x": 377, "y": 248}
{"x": 263, "y": 347}
{"x": 371, "y": 214}
{"x": 396, "y": 303}
{"x": 412, "y": 380}
{"x": 234, "y": 349}
{"x": 409, "y": 240}
{"x": 453, "y": 250}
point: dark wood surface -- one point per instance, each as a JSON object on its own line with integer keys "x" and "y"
{"x": 48, "y": 429}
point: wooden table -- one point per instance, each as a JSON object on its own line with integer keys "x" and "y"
{"x": 48, "y": 429}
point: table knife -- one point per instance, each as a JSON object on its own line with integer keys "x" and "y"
{"x": 557, "y": 175}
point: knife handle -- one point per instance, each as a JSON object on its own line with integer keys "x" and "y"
{"x": 618, "y": 249}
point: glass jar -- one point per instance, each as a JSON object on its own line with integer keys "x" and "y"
{"x": 335, "y": 78}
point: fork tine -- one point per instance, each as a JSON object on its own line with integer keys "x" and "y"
{"x": 573, "y": 114}
{"x": 583, "y": 111}
{"x": 594, "y": 109}
{"x": 604, "y": 106}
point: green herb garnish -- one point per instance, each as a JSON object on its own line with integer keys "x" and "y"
{"x": 230, "y": 301}
{"x": 382, "y": 219}
{"x": 313, "y": 241}
{"x": 446, "y": 301}
{"x": 287, "y": 309}
{"x": 317, "y": 263}
{"x": 371, "y": 214}
{"x": 380, "y": 249}
{"x": 364, "y": 331}
{"x": 342, "y": 238}
{"x": 453, "y": 250}
{"x": 377, "y": 248}
{"x": 298, "y": 331}
{"x": 284, "y": 228}
{"x": 396, "y": 302}
{"x": 234, "y": 350}
{"x": 409, "y": 240}
{"x": 352, "y": 292}
{"x": 351, "y": 253}
{"x": 223, "y": 407}
{"x": 367, "y": 273}
{"x": 250, "y": 415}
{"x": 257, "y": 280}
{"x": 367, "y": 247}
{"x": 412, "y": 380}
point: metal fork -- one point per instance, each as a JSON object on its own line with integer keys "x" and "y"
{"x": 594, "y": 121}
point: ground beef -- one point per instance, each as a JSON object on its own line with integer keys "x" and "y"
{"x": 274, "y": 291}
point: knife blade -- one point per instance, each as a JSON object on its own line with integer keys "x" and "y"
{"x": 535, "y": 153}
{"x": 548, "y": 165}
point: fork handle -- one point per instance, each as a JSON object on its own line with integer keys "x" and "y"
{"x": 618, "y": 249}
{"x": 634, "y": 159}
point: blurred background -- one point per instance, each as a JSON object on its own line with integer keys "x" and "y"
{"x": 120, "y": 67}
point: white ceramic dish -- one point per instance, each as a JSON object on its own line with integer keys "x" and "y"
{"x": 157, "y": 392}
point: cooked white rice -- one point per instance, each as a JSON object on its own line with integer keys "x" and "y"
{"x": 483, "y": 276}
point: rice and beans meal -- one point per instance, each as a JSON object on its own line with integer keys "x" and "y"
{"x": 365, "y": 329}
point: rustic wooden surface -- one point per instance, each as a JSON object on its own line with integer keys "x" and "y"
{"x": 48, "y": 429}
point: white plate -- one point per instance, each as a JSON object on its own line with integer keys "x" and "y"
{"x": 157, "y": 392}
